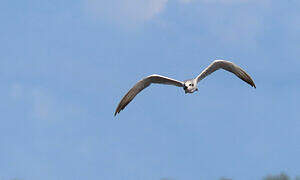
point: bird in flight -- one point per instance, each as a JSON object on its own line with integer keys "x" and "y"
{"x": 189, "y": 86}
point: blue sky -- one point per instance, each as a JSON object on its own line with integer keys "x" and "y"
{"x": 66, "y": 64}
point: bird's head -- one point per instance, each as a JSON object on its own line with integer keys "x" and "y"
{"x": 190, "y": 86}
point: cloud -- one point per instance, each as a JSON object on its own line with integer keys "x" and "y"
{"x": 226, "y": 1}
{"x": 239, "y": 27}
{"x": 231, "y": 25}
{"x": 16, "y": 91}
{"x": 185, "y": 1}
{"x": 126, "y": 10}
{"x": 226, "y": 23}
{"x": 43, "y": 106}
{"x": 221, "y": 1}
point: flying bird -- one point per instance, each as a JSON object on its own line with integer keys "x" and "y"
{"x": 189, "y": 86}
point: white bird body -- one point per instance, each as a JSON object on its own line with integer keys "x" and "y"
{"x": 189, "y": 86}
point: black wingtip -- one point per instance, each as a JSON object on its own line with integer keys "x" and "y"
{"x": 117, "y": 112}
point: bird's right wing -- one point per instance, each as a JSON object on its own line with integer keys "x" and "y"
{"x": 142, "y": 84}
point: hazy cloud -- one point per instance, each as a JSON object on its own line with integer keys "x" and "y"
{"x": 185, "y": 1}
{"x": 233, "y": 28}
{"x": 281, "y": 176}
{"x": 223, "y": 178}
{"x": 226, "y": 1}
{"x": 16, "y": 91}
{"x": 43, "y": 105}
{"x": 222, "y": 1}
{"x": 126, "y": 10}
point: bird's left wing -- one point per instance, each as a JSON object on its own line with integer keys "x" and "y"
{"x": 142, "y": 84}
{"x": 228, "y": 66}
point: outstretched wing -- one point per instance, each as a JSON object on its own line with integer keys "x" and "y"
{"x": 142, "y": 84}
{"x": 228, "y": 66}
